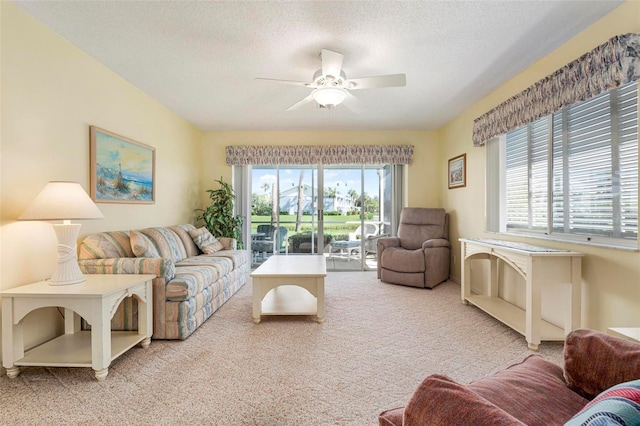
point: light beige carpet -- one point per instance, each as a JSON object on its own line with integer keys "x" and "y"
{"x": 377, "y": 343}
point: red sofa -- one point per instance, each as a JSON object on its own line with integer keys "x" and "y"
{"x": 533, "y": 392}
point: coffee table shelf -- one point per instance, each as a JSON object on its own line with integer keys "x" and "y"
{"x": 289, "y": 300}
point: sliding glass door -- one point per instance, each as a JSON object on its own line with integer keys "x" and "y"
{"x": 336, "y": 211}
{"x": 354, "y": 214}
{"x": 284, "y": 210}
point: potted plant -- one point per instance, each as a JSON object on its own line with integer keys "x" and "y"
{"x": 218, "y": 217}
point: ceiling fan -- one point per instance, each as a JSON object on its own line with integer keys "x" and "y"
{"x": 331, "y": 86}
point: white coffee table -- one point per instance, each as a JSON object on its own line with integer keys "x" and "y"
{"x": 297, "y": 282}
{"x": 96, "y": 300}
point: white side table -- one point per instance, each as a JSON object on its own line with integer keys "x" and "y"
{"x": 96, "y": 300}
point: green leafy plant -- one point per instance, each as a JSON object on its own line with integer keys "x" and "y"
{"x": 218, "y": 217}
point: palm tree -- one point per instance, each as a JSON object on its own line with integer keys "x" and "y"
{"x": 300, "y": 200}
{"x": 354, "y": 196}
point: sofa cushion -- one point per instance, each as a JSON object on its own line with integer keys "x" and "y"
{"x": 401, "y": 260}
{"x": 441, "y": 401}
{"x": 182, "y": 231}
{"x": 205, "y": 240}
{"x": 222, "y": 265}
{"x": 238, "y": 258}
{"x": 595, "y": 361}
{"x": 142, "y": 246}
{"x": 188, "y": 281}
{"x": 106, "y": 245}
{"x": 533, "y": 391}
{"x": 618, "y": 405}
{"x": 166, "y": 242}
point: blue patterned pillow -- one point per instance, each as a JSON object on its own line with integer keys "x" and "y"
{"x": 205, "y": 240}
{"x": 617, "y": 406}
{"x": 142, "y": 246}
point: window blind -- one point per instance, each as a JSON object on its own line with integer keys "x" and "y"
{"x": 595, "y": 176}
{"x": 574, "y": 173}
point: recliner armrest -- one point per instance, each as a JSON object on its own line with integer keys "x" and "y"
{"x": 387, "y": 242}
{"x": 436, "y": 242}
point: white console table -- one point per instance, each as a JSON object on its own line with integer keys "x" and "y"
{"x": 537, "y": 265}
{"x": 96, "y": 300}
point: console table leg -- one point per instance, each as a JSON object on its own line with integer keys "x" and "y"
{"x": 145, "y": 343}
{"x": 102, "y": 374}
{"x": 13, "y": 372}
{"x": 532, "y": 346}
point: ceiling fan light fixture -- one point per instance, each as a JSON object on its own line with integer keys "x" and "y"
{"x": 329, "y": 97}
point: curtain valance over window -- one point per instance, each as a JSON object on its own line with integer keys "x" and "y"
{"x": 606, "y": 67}
{"x": 319, "y": 154}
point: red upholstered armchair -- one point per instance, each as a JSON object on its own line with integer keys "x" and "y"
{"x": 419, "y": 256}
{"x": 600, "y": 380}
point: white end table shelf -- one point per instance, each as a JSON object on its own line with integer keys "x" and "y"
{"x": 96, "y": 300}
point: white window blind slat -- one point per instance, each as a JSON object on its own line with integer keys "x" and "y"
{"x": 593, "y": 169}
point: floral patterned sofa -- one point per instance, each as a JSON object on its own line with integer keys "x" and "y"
{"x": 195, "y": 273}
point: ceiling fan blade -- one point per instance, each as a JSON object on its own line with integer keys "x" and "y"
{"x": 352, "y": 103}
{"x": 301, "y": 102}
{"x": 331, "y": 62}
{"x": 392, "y": 80}
{"x": 293, "y": 83}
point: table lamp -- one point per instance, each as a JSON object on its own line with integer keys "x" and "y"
{"x": 64, "y": 201}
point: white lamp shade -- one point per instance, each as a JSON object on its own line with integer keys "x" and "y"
{"x": 62, "y": 201}
{"x": 329, "y": 96}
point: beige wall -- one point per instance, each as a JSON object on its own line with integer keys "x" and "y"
{"x": 611, "y": 278}
{"x": 424, "y": 175}
{"x": 51, "y": 92}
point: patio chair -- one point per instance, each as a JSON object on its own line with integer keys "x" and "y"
{"x": 352, "y": 245}
{"x": 274, "y": 240}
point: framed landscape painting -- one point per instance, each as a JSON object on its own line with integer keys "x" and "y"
{"x": 458, "y": 171}
{"x": 122, "y": 170}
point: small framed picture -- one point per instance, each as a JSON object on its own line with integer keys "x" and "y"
{"x": 122, "y": 170}
{"x": 458, "y": 171}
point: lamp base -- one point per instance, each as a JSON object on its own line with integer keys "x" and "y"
{"x": 67, "y": 270}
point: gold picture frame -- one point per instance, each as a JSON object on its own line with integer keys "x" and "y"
{"x": 122, "y": 170}
{"x": 457, "y": 172}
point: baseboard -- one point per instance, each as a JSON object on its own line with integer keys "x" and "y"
{"x": 454, "y": 279}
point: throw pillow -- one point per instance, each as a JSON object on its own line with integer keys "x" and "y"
{"x": 523, "y": 389}
{"x": 205, "y": 240}
{"x": 439, "y": 400}
{"x": 618, "y": 405}
{"x": 594, "y": 361}
{"x": 142, "y": 245}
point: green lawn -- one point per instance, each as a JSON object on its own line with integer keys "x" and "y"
{"x": 333, "y": 224}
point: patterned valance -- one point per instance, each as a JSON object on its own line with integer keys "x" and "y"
{"x": 319, "y": 154}
{"x": 606, "y": 67}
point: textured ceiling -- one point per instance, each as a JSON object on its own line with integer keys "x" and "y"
{"x": 200, "y": 58}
